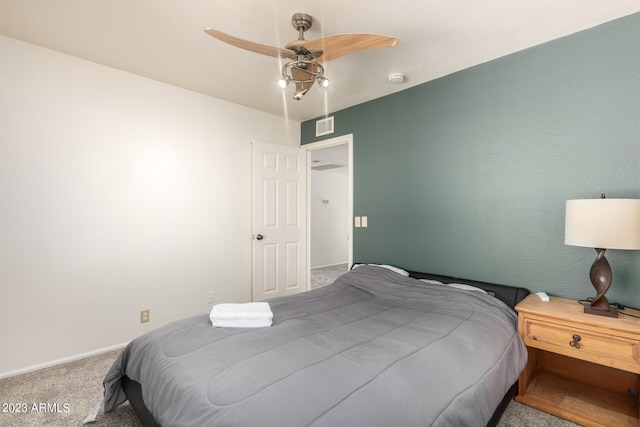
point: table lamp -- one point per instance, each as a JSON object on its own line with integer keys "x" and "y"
{"x": 602, "y": 224}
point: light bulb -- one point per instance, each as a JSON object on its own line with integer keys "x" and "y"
{"x": 299, "y": 94}
{"x": 323, "y": 81}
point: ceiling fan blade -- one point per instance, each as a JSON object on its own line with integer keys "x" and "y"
{"x": 253, "y": 47}
{"x": 343, "y": 44}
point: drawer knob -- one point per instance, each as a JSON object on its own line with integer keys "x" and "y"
{"x": 576, "y": 341}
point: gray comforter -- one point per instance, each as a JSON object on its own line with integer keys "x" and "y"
{"x": 373, "y": 349}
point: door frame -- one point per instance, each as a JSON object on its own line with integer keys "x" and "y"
{"x": 338, "y": 140}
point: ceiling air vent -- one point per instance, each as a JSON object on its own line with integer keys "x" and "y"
{"x": 320, "y": 166}
{"x": 324, "y": 126}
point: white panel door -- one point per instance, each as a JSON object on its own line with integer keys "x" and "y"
{"x": 279, "y": 220}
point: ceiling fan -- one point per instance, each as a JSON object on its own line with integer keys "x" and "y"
{"x": 306, "y": 57}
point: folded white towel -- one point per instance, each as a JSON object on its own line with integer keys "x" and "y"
{"x": 252, "y": 314}
{"x": 250, "y": 310}
{"x": 241, "y": 323}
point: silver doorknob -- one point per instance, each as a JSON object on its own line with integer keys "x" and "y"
{"x": 259, "y": 237}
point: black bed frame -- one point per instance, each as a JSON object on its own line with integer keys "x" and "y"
{"x": 508, "y": 294}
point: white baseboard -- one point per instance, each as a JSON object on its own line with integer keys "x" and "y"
{"x": 51, "y": 363}
{"x": 329, "y": 265}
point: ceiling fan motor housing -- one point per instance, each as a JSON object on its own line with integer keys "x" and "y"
{"x": 301, "y": 21}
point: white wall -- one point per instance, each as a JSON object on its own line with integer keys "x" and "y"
{"x": 117, "y": 194}
{"x": 329, "y": 227}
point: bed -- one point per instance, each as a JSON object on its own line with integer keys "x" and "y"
{"x": 381, "y": 346}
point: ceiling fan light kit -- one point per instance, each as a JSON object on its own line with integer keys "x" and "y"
{"x": 304, "y": 67}
{"x": 303, "y": 72}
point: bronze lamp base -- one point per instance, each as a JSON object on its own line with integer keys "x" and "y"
{"x": 601, "y": 277}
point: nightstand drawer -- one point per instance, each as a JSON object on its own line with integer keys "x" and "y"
{"x": 570, "y": 340}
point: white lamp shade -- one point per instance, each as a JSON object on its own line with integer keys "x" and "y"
{"x": 603, "y": 223}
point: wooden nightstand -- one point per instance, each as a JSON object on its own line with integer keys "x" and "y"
{"x": 581, "y": 367}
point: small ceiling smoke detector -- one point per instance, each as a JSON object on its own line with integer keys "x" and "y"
{"x": 396, "y": 78}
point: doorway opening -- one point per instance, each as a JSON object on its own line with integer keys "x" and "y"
{"x": 330, "y": 209}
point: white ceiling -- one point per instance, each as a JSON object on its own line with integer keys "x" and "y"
{"x": 164, "y": 40}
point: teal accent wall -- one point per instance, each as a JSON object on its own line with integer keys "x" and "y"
{"x": 468, "y": 175}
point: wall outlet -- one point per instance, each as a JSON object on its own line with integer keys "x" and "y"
{"x": 211, "y": 297}
{"x": 144, "y": 316}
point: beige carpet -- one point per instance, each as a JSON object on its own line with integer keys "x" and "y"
{"x": 63, "y": 396}
{"x": 323, "y": 276}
